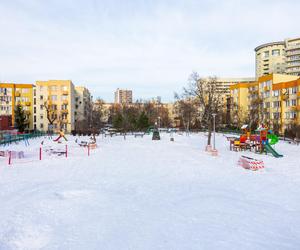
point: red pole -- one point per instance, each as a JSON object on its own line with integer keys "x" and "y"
{"x": 66, "y": 151}
{"x": 88, "y": 149}
{"x": 9, "y": 158}
{"x": 40, "y": 153}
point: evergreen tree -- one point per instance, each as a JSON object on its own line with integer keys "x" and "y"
{"x": 20, "y": 118}
{"x": 118, "y": 120}
{"x": 143, "y": 121}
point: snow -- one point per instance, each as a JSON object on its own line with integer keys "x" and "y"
{"x": 143, "y": 194}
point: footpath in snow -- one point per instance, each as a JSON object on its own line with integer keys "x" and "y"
{"x": 143, "y": 194}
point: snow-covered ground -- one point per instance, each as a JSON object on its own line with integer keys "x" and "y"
{"x": 143, "y": 194}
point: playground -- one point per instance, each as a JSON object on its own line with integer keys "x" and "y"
{"x": 141, "y": 193}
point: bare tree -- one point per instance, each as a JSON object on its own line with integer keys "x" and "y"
{"x": 208, "y": 93}
{"x": 52, "y": 114}
{"x": 186, "y": 110}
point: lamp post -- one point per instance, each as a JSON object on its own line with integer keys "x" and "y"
{"x": 214, "y": 151}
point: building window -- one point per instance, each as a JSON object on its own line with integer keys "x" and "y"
{"x": 266, "y": 54}
{"x": 53, "y": 88}
{"x": 275, "y": 52}
{"x": 41, "y": 97}
{"x": 34, "y": 101}
{"x": 41, "y": 125}
{"x": 34, "y": 118}
{"x": 54, "y": 98}
{"x": 294, "y": 102}
{"x": 34, "y": 110}
{"x": 64, "y": 88}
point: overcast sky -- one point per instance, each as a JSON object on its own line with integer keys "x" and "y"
{"x": 148, "y": 46}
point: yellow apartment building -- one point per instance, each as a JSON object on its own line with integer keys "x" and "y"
{"x": 54, "y": 105}
{"x": 275, "y": 98}
{"x": 12, "y": 94}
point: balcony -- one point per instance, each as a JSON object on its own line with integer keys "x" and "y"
{"x": 284, "y": 97}
{"x": 292, "y": 47}
{"x": 17, "y": 94}
{"x": 65, "y": 102}
{"x": 65, "y": 92}
{"x": 64, "y": 111}
{"x": 27, "y": 103}
{"x": 293, "y": 108}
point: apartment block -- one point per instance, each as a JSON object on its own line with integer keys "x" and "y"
{"x": 123, "y": 96}
{"x": 275, "y": 98}
{"x": 293, "y": 56}
{"x": 12, "y": 94}
{"x": 83, "y": 104}
{"x": 281, "y": 57}
{"x": 54, "y": 105}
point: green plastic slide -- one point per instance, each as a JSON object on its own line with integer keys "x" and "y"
{"x": 273, "y": 139}
{"x": 271, "y": 150}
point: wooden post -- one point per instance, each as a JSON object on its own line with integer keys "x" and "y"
{"x": 9, "y": 158}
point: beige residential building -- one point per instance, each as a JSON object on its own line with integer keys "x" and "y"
{"x": 270, "y": 58}
{"x": 83, "y": 104}
{"x": 293, "y": 56}
{"x": 281, "y": 57}
{"x": 123, "y": 96}
{"x": 54, "y": 102}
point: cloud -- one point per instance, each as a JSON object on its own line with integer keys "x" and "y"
{"x": 149, "y": 46}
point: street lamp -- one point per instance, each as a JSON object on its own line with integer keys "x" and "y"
{"x": 214, "y": 151}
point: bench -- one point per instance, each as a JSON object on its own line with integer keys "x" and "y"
{"x": 139, "y": 135}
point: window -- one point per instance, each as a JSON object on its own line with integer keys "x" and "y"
{"x": 276, "y": 104}
{"x": 34, "y": 118}
{"x": 266, "y": 54}
{"x": 41, "y": 97}
{"x": 53, "y": 87}
{"x": 287, "y": 103}
{"x": 293, "y": 102}
{"x": 34, "y": 110}
{"x": 53, "y": 97}
{"x": 294, "y": 90}
{"x": 41, "y": 125}
{"x": 64, "y": 97}
{"x": 64, "y": 88}
{"x": 41, "y": 117}
{"x": 34, "y": 101}
{"x": 41, "y": 107}
{"x": 275, "y": 52}
{"x": 275, "y": 93}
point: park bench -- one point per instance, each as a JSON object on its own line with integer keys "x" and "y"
{"x": 139, "y": 135}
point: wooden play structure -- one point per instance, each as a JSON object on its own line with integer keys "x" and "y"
{"x": 259, "y": 142}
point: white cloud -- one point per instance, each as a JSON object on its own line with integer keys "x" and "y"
{"x": 150, "y": 47}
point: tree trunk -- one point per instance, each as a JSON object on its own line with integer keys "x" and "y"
{"x": 209, "y": 133}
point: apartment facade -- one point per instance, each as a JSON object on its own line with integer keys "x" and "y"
{"x": 123, "y": 96}
{"x": 12, "y": 94}
{"x": 275, "y": 98}
{"x": 83, "y": 105}
{"x": 281, "y": 57}
{"x": 54, "y": 105}
{"x": 293, "y": 56}
{"x": 270, "y": 58}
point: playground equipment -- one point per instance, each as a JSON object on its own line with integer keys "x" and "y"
{"x": 12, "y": 136}
{"x": 259, "y": 142}
{"x": 61, "y": 135}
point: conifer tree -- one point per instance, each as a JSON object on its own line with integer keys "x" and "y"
{"x": 20, "y": 118}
